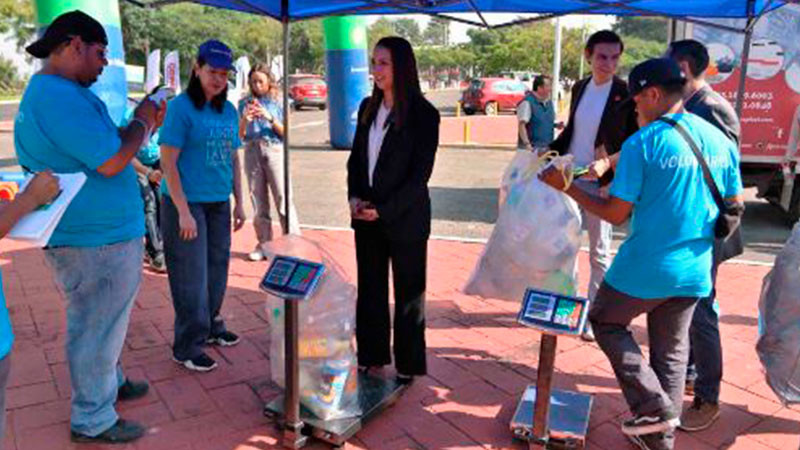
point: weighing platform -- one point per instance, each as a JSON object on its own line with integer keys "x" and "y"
{"x": 556, "y": 419}
{"x": 294, "y": 280}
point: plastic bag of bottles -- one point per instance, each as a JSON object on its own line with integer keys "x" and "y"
{"x": 536, "y": 239}
{"x": 778, "y": 346}
{"x": 326, "y": 346}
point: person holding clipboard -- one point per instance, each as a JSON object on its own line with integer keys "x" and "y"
{"x": 96, "y": 249}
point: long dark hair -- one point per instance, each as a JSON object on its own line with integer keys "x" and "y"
{"x": 198, "y": 96}
{"x": 405, "y": 85}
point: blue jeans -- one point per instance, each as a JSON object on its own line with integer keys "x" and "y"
{"x": 198, "y": 273}
{"x": 100, "y": 285}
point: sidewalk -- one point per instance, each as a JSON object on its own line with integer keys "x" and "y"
{"x": 480, "y": 360}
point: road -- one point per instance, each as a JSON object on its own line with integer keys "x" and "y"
{"x": 463, "y": 186}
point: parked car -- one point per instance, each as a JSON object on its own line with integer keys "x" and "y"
{"x": 525, "y": 77}
{"x": 308, "y": 90}
{"x": 492, "y": 95}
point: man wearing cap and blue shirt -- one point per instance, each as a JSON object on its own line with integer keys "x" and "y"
{"x": 664, "y": 266}
{"x": 96, "y": 249}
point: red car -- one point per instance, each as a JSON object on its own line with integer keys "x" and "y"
{"x": 308, "y": 90}
{"x": 492, "y": 95}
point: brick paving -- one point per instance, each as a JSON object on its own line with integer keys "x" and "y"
{"x": 480, "y": 361}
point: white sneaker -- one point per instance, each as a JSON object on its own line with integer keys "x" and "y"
{"x": 256, "y": 255}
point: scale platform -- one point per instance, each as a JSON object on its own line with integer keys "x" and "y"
{"x": 375, "y": 394}
{"x": 569, "y": 418}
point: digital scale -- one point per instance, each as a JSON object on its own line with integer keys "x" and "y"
{"x": 292, "y": 278}
{"x": 556, "y": 419}
{"x": 295, "y": 280}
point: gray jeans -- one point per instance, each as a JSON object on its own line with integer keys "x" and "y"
{"x": 263, "y": 164}
{"x": 5, "y": 368}
{"x": 656, "y": 387}
{"x": 599, "y": 240}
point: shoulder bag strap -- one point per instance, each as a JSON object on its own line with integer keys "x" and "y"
{"x": 706, "y": 172}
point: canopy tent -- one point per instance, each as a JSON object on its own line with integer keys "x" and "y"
{"x": 679, "y": 9}
{"x": 293, "y": 10}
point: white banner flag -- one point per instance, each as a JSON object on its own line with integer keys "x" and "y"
{"x": 242, "y": 66}
{"x": 153, "y": 71}
{"x": 172, "y": 71}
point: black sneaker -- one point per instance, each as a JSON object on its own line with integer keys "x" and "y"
{"x": 157, "y": 263}
{"x": 201, "y": 363}
{"x": 404, "y": 379}
{"x": 224, "y": 339}
{"x": 121, "y": 432}
{"x": 131, "y": 390}
{"x": 647, "y": 424}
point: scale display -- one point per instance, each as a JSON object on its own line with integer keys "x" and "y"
{"x": 554, "y": 313}
{"x": 292, "y": 278}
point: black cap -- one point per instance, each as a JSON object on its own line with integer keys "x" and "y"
{"x": 66, "y": 26}
{"x": 655, "y": 72}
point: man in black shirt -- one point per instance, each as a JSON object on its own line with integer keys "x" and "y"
{"x": 704, "y": 374}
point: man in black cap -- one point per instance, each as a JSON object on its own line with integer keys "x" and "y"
{"x": 664, "y": 266}
{"x": 96, "y": 249}
{"x": 704, "y": 376}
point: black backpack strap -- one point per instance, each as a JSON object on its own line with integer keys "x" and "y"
{"x": 706, "y": 172}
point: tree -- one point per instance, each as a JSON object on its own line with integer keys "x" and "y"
{"x": 379, "y": 29}
{"x": 9, "y": 79}
{"x": 409, "y": 29}
{"x": 437, "y": 32}
{"x": 638, "y": 50}
{"x": 16, "y": 16}
{"x": 306, "y": 47}
{"x": 645, "y": 28}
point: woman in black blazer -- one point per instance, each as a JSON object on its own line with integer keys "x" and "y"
{"x": 387, "y": 183}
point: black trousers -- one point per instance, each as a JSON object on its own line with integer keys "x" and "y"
{"x": 374, "y": 252}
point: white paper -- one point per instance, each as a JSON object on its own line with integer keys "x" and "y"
{"x": 37, "y": 227}
{"x": 153, "y": 71}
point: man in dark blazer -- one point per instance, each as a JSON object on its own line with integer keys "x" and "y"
{"x": 599, "y": 122}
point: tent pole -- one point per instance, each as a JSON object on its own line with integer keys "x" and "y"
{"x": 748, "y": 36}
{"x": 293, "y": 426}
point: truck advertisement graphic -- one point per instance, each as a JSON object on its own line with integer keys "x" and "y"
{"x": 771, "y": 107}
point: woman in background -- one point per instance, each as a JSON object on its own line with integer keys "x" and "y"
{"x": 261, "y": 129}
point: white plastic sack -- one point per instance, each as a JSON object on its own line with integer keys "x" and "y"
{"x": 328, "y": 367}
{"x": 778, "y": 346}
{"x": 536, "y": 238}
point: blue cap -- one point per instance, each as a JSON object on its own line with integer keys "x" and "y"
{"x": 216, "y": 54}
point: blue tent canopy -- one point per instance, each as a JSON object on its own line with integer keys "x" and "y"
{"x": 305, "y": 9}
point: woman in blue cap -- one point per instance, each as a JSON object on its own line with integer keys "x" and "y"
{"x": 198, "y": 141}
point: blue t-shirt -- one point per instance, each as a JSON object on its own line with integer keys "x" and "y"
{"x": 207, "y": 140}
{"x": 261, "y": 128}
{"x": 149, "y": 153}
{"x": 668, "y": 251}
{"x": 65, "y": 127}
{"x": 6, "y": 335}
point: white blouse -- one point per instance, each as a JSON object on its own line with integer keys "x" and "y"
{"x": 376, "y": 134}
